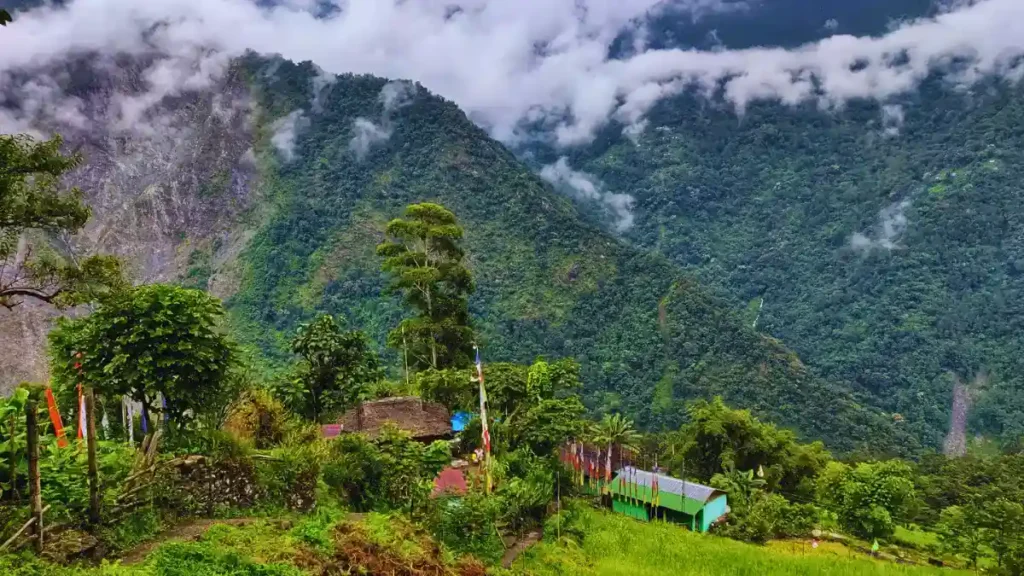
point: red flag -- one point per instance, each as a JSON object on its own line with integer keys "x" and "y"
{"x": 81, "y": 412}
{"x": 58, "y": 426}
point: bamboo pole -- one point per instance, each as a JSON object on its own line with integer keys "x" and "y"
{"x": 34, "y": 484}
{"x": 21, "y": 531}
{"x": 94, "y": 478}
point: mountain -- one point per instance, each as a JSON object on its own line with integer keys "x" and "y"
{"x": 884, "y": 239}
{"x": 271, "y": 188}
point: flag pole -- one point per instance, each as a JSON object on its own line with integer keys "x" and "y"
{"x": 484, "y": 429}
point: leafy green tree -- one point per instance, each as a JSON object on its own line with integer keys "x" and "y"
{"x": 35, "y": 211}
{"x": 960, "y": 533}
{"x": 425, "y": 261}
{"x": 1002, "y": 525}
{"x": 149, "y": 340}
{"x": 869, "y": 498}
{"x": 718, "y": 439}
{"x": 536, "y": 408}
{"x": 335, "y": 370}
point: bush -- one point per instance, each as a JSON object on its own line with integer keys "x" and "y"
{"x": 770, "y": 516}
{"x": 259, "y": 417}
{"x": 468, "y": 524}
{"x": 390, "y": 472}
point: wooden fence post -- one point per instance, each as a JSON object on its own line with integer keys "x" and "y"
{"x": 34, "y": 485}
{"x": 94, "y": 479}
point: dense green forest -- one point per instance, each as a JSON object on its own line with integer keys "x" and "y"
{"x": 549, "y": 284}
{"x": 885, "y": 241}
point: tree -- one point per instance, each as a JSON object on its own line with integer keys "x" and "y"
{"x": 718, "y": 438}
{"x": 870, "y": 498}
{"x": 425, "y": 261}
{"x": 615, "y": 430}
{"x": 335, "y": 370}
{"x": 35, "y": 210}
{"x": 149, "y": 340}
{"x": 960, "y": 533}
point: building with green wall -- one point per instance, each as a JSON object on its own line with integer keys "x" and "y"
{"x": 649, "y": 496}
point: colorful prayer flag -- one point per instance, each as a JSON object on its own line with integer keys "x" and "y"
{"x": 81, "y": 413}
{"x": 58, "y": 426}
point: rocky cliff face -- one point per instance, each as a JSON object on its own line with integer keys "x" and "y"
{"x": 167, "y": 177}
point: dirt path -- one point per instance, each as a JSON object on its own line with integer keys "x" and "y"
{"x": 519, "y": 547}
{"x": 186, "y": 531}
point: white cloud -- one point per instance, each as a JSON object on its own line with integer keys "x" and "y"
{"x": 831, "y": 24}
{"x": 393, "y": 96}
{"x": 505, "y": 61}
{"x": 366, "y": 134}
{"x": 587, "y": 187}
{"x": 322, "y": 83}
{"x": 892, "y": 119}
{"x": 286, "y": 132}
{"x": 397, "y": 94}
{"x": 892, "y": 223}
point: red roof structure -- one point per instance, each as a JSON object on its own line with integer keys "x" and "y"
{"x": 450, "y": 480}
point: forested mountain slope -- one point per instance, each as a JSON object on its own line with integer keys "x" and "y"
{"x": 548, "y": 284}
{"x": 885, "y": 240}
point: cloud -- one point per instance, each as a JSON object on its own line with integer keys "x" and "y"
{"x": 505, "y": 62}
{"x": 286, "y": 132}
{"x": 892, "y": 223}
{"x": 366, "y": 134}
{"x": 587, "y": 187}
{"x": 322, "y": 83}
{"x": 892, "y": 119}
{"x": 393, "y": 96}
{"x": 397, "y": 94}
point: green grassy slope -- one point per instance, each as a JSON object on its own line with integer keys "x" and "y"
{"x": 767, "y": 206}
{"x": 548, "y": 283}
{"x": 615, "y": 545}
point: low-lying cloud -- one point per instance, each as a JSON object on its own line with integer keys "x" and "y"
{"x": 892, "y": 223}
{"x": 366, "y": 133}
{"x": 286, "y": 133}
{"x": 587, "y": 187}
{"x": 506, "y": 63}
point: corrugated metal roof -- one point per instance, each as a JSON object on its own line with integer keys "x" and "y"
{"x": 669, "y": 484}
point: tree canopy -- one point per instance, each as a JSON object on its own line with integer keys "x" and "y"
{"x": 35, "y": 212}
{"x": 150, "y": 340}
{"x": 425, "y": 260}
{"x": 335, "y": 369}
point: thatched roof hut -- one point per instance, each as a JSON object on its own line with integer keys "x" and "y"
{"x": 425, "y": 421}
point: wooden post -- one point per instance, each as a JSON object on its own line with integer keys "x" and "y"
{"x": 90, "y": 437}
{"x": 34, "y": 485}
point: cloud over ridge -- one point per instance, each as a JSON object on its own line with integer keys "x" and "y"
{"x": 529, "y": 60}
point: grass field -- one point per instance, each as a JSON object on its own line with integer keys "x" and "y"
{"x": 615, "y": 545}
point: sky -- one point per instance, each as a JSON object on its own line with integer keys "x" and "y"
{"x": 507, "y": 63}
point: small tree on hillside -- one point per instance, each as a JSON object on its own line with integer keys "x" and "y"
{"x": 615, "y": 430}
{"x": 335, "y": 370}
{"x": 148, "y": 340}
{"x": 35, "y": 210}
{"x": 425, "y": 261}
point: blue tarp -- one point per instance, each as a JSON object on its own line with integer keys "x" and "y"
{"x": 460, "y": 420}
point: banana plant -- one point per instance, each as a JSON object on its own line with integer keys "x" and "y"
{"x": 13, "y": 442}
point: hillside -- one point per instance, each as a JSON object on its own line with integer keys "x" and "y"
{"x": 614, "y": 544}
{"x": 548, "y": 283}
{"x": 884, "y": 240}
{"x": 273, "y": 195}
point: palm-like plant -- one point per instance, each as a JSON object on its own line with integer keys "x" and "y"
{"x": 614, "y": 429}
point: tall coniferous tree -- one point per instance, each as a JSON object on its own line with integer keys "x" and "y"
{"x": 424, "y": 257}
